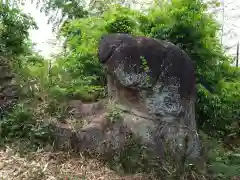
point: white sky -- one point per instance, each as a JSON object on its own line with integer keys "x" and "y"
{"x": 44, "y": 34}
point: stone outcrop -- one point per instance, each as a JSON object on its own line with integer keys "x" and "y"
{"x": 151, "y": 87}
{"x": 156, "y": 78}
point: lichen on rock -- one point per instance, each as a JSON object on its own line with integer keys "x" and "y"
{"x": 154, "y": 100}
{"x": 148, "y": 79}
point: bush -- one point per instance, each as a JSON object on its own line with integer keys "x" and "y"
{"x": 188, "y": 24}
{"x": 78, "y": 73}
{"x": 222, "y": 164}
{"x": 21, "y": 124}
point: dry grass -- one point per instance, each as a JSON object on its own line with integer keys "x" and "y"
{"x": 47, "y": 165}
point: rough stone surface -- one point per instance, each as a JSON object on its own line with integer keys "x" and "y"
{"x": 124, "y": 54}
{"x": 79, "y": 109}
{"x": 161, "y": 77}
{"x": 152, "y": 84}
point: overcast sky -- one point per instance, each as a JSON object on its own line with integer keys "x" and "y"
{"x": 44, "y": 33}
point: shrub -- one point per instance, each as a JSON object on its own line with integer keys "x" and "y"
{"x": 21, "y": 124}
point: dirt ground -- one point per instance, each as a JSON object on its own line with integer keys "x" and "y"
{"x": 46, "y": 165}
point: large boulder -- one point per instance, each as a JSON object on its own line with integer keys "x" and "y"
{"x": 157, "y": 80}
{"x": 151, "y": 88}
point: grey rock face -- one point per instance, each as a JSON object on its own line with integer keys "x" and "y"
{"x": 157, "y": 79}
{"x": 151, "y": 83}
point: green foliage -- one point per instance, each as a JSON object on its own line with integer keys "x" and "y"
{"x": 114, "y": 114}
{"x": 217, "y": 113}
{"x": 15, "y": 46}
{"x": 121, "y": 24}
{"x": 21, "y": 124}
{"x": 80, "y": 63}
{"x": 221, "y": 163}
{"x": 73, "y": 9}
{"x": 187, "y": 24}
{"x": 121, "y": 20}
{"x": 14, "y": 27}
{"x": 72, "y": 83}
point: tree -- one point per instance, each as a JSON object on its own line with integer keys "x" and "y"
{"x": 14, "y": 27}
